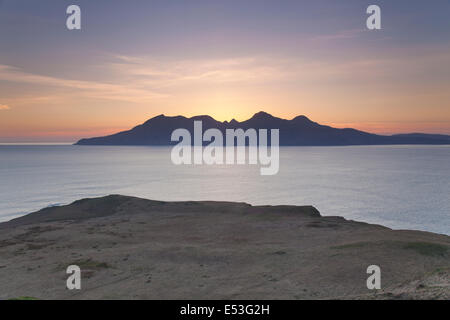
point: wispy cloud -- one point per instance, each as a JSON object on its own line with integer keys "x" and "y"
{"x": 340, "y": 35}
{"x": 143, "y": 79}
{"x": 90, "y": 89}
{"x": 4, "y": 107}
{"x": 160, "y": 73}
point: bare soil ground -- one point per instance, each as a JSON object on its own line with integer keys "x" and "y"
{"x": 131, "y": 248}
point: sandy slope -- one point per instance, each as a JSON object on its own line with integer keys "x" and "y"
{"x": 140, "y": 249}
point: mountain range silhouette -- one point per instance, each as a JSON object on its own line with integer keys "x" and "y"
{"x": 300, "y": 131}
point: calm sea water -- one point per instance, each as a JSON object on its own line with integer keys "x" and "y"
{"x": 402, "y": 187}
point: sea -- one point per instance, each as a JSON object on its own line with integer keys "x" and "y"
{"x": 401, "y": 187}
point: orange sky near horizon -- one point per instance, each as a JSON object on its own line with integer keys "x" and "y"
{"x": 384, "y": 95}
{"x": 333, "y": 93}
{"x": 223, "y": 59}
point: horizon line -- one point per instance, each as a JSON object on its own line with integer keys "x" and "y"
{"x": 332, "y": 125}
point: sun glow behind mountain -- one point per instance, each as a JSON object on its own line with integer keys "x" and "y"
{"x": 227, "y": 60}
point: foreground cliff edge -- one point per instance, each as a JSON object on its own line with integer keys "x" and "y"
{"x": 131, "y": 248}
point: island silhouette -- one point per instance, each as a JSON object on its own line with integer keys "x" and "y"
{"x": 299, "y": 131}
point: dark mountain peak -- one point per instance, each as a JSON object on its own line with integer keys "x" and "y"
{"x": 301, "y": 118}
{"x": 262, "y": 116}
{"x": 232, "y": 124}
{"x": 304, "y": 120}
{"x": 203, "y": 118}
{"x": 300, "y": 131}
{"x": 160, "y": 117}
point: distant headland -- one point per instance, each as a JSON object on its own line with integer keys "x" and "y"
{"x": 299, "y": 131}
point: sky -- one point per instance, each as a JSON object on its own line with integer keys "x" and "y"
{"x": 136, "y": 59}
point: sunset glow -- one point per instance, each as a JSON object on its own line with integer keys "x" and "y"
{"x": 58, "y": 85}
